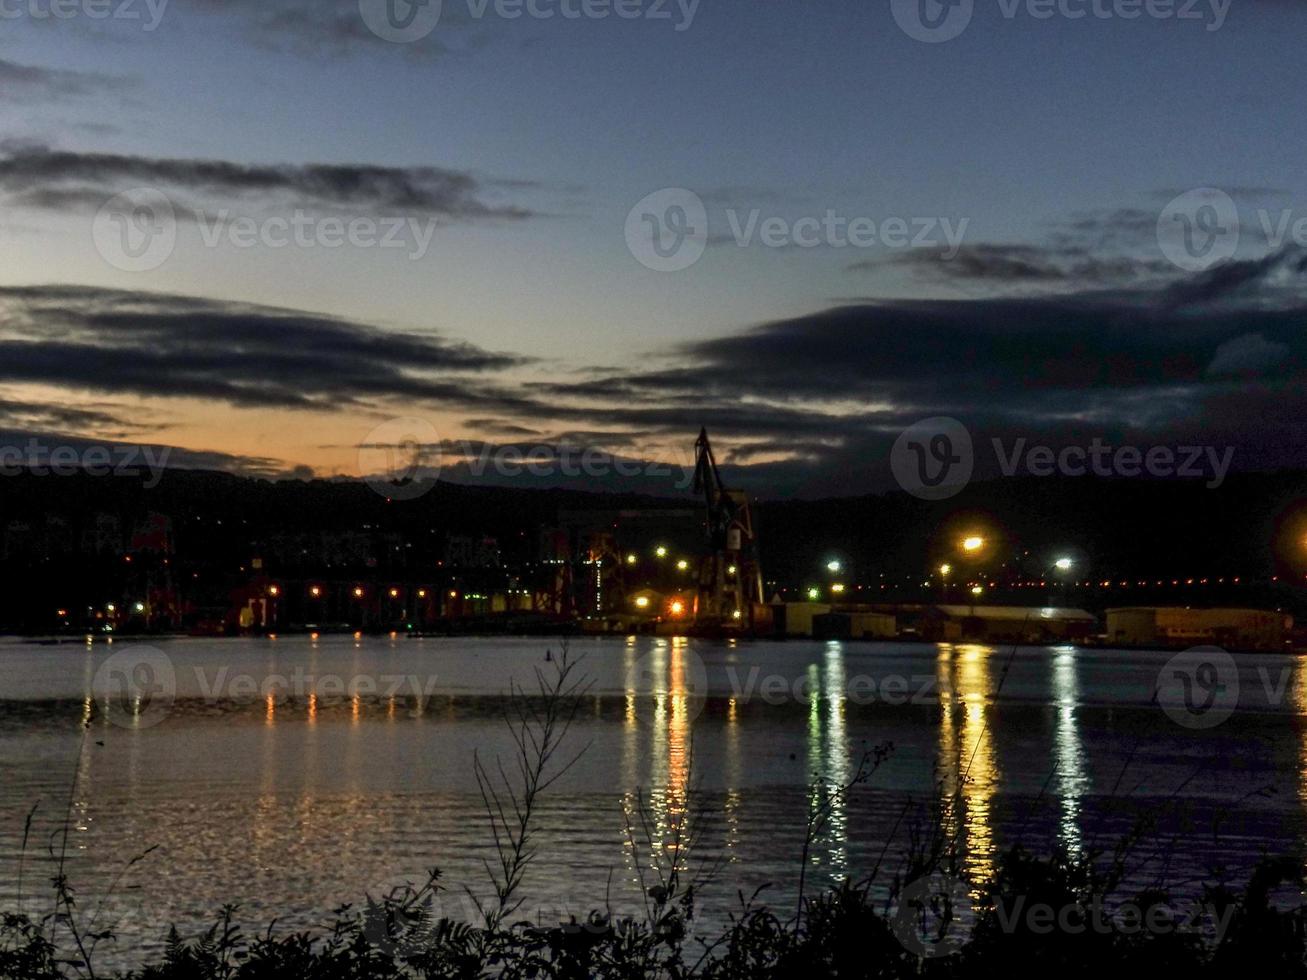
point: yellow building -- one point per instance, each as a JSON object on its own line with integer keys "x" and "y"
{"x": 1183, "y": 626}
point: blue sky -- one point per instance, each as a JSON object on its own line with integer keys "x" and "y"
{"x": 1040, "y": 133}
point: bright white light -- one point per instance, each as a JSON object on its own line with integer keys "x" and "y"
{"x": 1063, "y": 564}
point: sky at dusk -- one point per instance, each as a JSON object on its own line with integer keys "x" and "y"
{"x": 1029, "y": 163}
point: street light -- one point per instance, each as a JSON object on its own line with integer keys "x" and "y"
{"x": 1063, "y": 564}
{"x": 973, "y": 543}
{"x": 682, "y": 564}
{"x": 833, "y": 565}
{"x": 660, "y": 551}
{"x": 631, "y": 559}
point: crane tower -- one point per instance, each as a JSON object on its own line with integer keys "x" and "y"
{"x": 730, "y": 579}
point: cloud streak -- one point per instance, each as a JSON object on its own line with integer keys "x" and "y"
{"x": 42, "y": 177}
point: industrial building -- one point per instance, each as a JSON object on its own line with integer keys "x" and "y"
{"x": 1184, "y": 626}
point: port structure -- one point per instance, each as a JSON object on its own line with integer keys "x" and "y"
{"x": 730, "y": 596}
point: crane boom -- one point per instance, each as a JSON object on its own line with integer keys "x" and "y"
{"x": 730, "y": 579}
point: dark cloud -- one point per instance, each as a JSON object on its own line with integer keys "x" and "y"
{"x": 807, "y": 405}
{"x": 39, "y": 82}
{"x": 813, "y": 403}
{"x": 328, "y": 28}
{"x": 39, "y": 415}
{"x": 45, "y": 177}
{"x": 159, "y": 344}
{"x": 1004, "y": 265}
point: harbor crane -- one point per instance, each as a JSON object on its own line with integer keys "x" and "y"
{"x": 730, "y": 593}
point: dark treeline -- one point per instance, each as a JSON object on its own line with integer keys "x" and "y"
{"x": 66, "y": 539}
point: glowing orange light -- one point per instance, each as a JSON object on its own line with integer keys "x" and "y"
{"x": 315, "y": 591}
{"x": 358, "y": 592}
{"x": 394, "y": 593}
{"x": 274, "y": 590}
{"x": 678, "y": 607}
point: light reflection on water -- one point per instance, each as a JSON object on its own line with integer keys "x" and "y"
{"x": 290, "y": 806}
{"x": 1072, "y": 782}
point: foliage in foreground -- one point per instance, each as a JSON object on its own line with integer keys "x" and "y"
{"x": 841, "y": 933}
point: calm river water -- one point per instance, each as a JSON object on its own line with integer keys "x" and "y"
{"x": 290, "y": 776}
